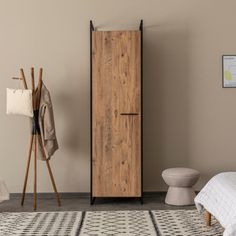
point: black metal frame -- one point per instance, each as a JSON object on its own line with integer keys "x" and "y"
{"x": 141, "y": 41}
{"x": 233, "y": 55}
{"x": 92, "y": 199}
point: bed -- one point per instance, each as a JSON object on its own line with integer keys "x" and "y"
{"x": 218, "y": 198}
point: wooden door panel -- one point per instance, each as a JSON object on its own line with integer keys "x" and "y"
{"x": 102, "y": 116}
{"x": 126, "y": 157}
{"x": 116, "y": 138}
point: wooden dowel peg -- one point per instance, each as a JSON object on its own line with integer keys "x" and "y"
{"x": 23, "y": 78}
{"x": 33, "y": 87}
{"x": 32, "y": 78}
{"x": 39, "y": 87}
{"x": 40, "y": 74}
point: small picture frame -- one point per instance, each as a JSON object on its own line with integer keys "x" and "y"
{"x": 229, "y": 71}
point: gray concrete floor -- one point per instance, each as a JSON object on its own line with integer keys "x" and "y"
{"x": 77, "y": 202}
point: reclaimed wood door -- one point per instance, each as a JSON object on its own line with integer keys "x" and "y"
{"x": 116, "y": 114}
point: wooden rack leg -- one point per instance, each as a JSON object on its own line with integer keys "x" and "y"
{"x": 52, "y": 178}
{"x": 27, "y": 169}
{"x": 53, "y": 183}
{"x": 208, "y": 218}
{"x": 35, "y": 172}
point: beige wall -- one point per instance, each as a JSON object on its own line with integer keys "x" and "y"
{"x": 189, "y": 120}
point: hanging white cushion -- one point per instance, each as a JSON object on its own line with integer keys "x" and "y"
{"x": 19, "y": 101}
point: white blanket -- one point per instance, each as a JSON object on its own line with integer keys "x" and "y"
{"x": 219, "y": 198}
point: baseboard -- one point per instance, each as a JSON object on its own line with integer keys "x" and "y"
{"x": 65, "y": 195}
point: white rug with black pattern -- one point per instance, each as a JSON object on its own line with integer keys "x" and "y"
{"x": 122, "y": 223}
{"x": 184, "y": 223}
{"x": 40, "y": 223}
{"x": 108, "y": 223}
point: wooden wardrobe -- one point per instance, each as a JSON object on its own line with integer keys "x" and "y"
{"x": 116, "y": 113}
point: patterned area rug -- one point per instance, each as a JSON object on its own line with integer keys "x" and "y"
{"x": 40, "y": 223}
{"x": 184, "y": 223}
{"x": 122, "y": 223}
{"x": 107, "y": 223}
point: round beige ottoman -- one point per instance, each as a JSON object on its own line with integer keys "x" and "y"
{"x": 180, "y": 181}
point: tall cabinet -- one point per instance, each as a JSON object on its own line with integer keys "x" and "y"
{"x": 116, "y": 113}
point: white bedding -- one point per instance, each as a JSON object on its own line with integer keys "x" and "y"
{"x": 219, "y": 198}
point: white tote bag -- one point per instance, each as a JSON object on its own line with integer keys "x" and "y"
{"x": 19, "y": 101}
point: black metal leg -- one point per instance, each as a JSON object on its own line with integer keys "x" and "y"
{"x": 141, "y": 200}
{"x": 92, "y": 200}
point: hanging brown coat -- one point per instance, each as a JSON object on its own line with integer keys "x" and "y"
{"x": 48, "y": 139}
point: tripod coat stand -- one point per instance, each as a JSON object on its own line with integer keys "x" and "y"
{"x": 36, "y": 136}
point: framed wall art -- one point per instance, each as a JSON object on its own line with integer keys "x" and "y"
{"x": 229, "y": 71}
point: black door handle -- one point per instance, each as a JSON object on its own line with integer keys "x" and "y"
{"x": 129, "y": 114}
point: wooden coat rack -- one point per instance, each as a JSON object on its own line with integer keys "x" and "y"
{"x": 35, "y": 135}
